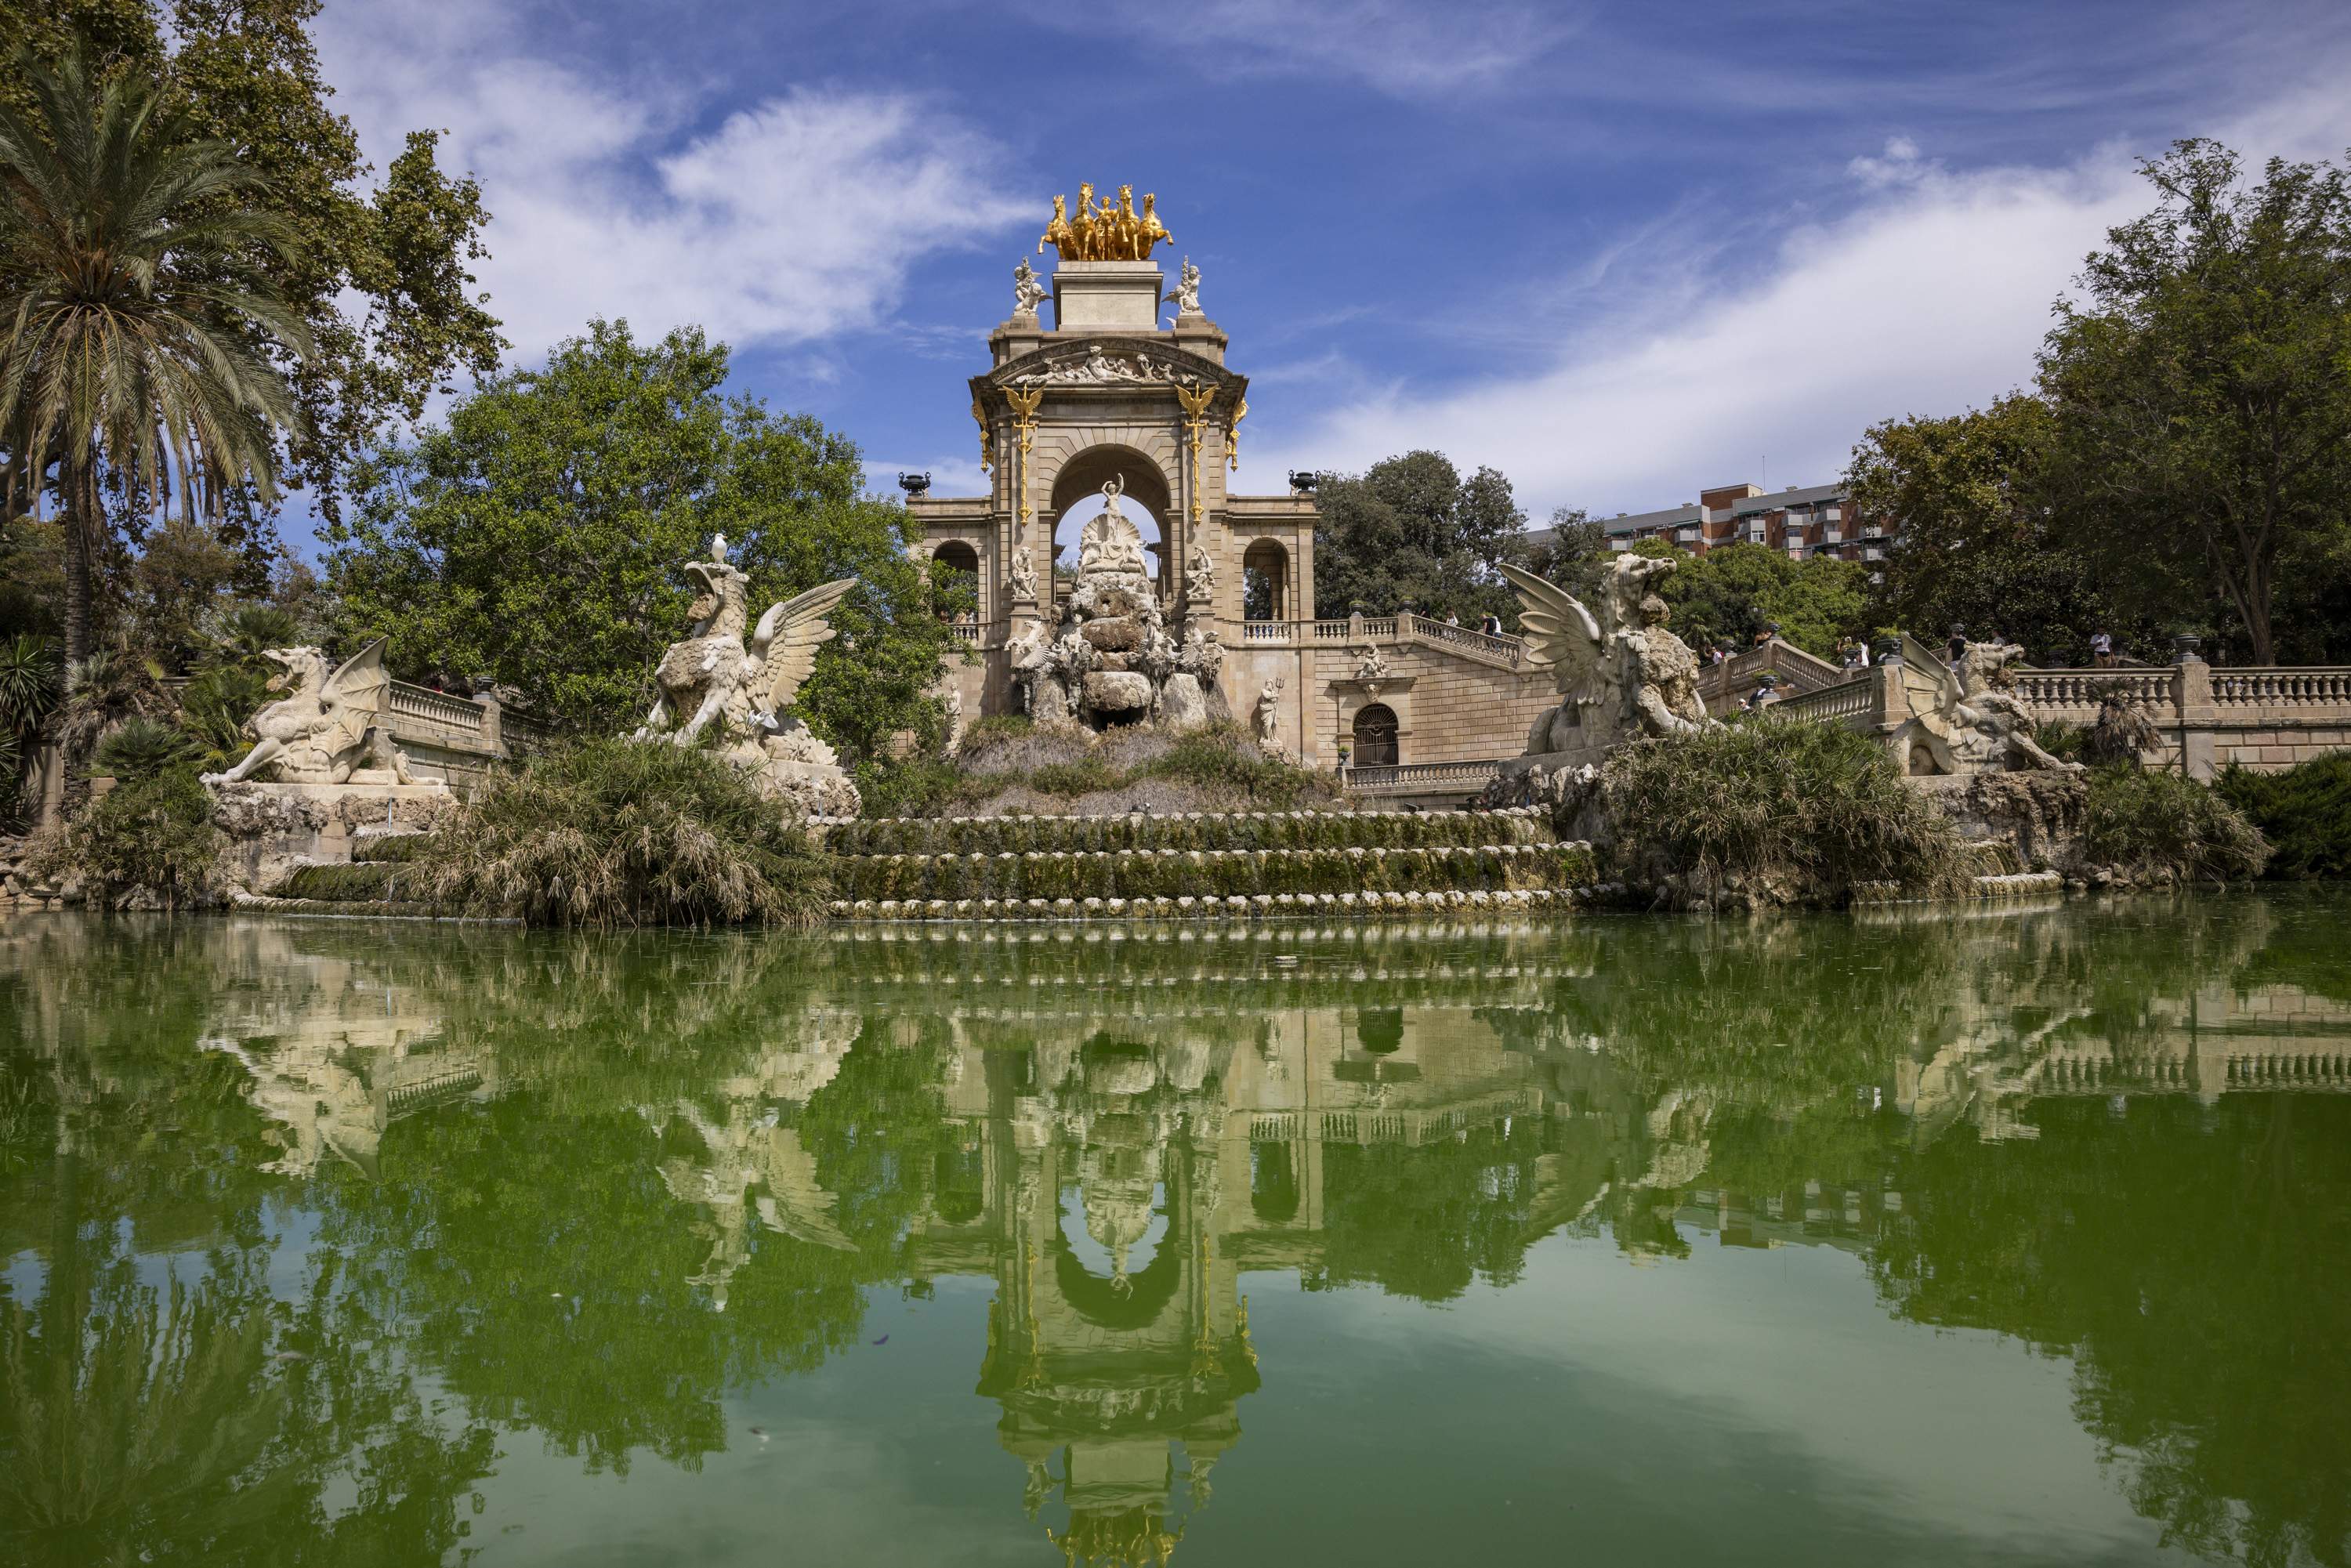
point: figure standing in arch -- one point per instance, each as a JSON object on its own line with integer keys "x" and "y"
{"x": 1110, "y": 542}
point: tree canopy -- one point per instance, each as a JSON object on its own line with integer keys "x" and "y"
{"x": 1735, "y": 590}
{"x": 535, "y": 537}
{"x": 2202, "y": 411}
{"x": 1985, "y": 544}
{"x": 1413, "y": 531}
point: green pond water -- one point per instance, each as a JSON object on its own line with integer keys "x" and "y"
{"x": 1995, "y": 1235}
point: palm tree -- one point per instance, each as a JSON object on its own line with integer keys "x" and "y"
{"x": 137, "y": 333}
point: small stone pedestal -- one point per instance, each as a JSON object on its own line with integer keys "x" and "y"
{"x": 1107, "y": 296}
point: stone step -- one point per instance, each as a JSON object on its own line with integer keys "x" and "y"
{"x": 1174, "y": 873}
{"x": 1185, "y": 830}
{"x": 359, "y": 882}
{"x": 1349, "y": 905}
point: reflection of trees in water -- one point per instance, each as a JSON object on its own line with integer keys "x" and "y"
{"x": 2191, "y": 1259}
{"x": 1423, "y": 1221}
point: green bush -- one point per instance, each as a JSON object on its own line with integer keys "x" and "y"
{"x": 611, "y": 833}
{"x": 215, "y": 706}
{"x": 141, "y": 748}
{"x": 2158, "y": 826}
{"x": 154, "y": 833}
{"x": 1224, "y": 760}
{"x": 1772, "y": 810}
{"x": 2304, "y": 813}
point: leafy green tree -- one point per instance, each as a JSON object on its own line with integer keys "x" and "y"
{"x": 536, "y": 538}
{"x": 245, "y": 73}
{"x": 1735, "y": 590}
{"x": 135, "y": 318}
{"x": 1983, "y": 544}
{"x": 1574, "y": 554}
{"x": 2202, "y": 411}
{"x": 1413, "y": 531}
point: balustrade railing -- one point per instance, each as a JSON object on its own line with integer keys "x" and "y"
{"x": 411, "y": 701}
{"x": 1829, "y": 705}
{"x": 2282, "y": 688}
{"x": 2065, "y": 690}
{"x": 964, "y": 631}
{"x": 1415, "y": 774}
{"x": 1510, "y": 650}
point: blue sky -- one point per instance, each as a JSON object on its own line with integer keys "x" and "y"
{"x": 1619, "y": 252}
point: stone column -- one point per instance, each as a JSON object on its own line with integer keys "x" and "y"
{"x": 2194, "y": 715}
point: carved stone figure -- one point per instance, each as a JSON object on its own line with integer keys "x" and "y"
{"x": 1269, "y": 712}
{"x": 1028, "y": 290}
{"x": 714, "y": 678}
{"x": 1622, "y": 674}
{"x": 1110, "y": 542}
{"x": 1971, "y": 725}
{"x": 1185, "y": 294}
{"x": 326, "y": 731}
{"x": 1372, "y": 664}
{"x": 1200, "y": 578}
{"x": 1024, "y": 575}
{"x": 1094, "y": 365}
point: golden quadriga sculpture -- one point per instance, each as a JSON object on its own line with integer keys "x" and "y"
{"x": 1105, "y": 233}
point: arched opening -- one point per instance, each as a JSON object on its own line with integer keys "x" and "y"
{"x": 1077, "y": 499}
{"x": 1273, "y": 1183}
{"x": 1264, "y": 582}
{"x": 1375, "y": 737}
{"x": 955, "y": 581}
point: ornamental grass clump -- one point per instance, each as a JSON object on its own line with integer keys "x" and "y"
{"x": 2305, "y": 812}
{"x": 611, "y": 833}
{"x": 1773, "y": 812}
{"x": 2159, "y": 827}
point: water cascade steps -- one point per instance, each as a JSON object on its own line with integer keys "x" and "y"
{"x": 1202, "y": 866}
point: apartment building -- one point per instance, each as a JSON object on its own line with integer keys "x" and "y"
{"x": 1802, "y": 519}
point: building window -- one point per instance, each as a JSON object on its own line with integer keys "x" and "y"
{"x": 1375, "y": 737}
{"x": 1265, "y": 581}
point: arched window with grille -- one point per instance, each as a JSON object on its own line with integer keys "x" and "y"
{"x": 1375, "y": 737}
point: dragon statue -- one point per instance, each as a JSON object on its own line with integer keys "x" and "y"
{"x": 1966, "y": 723}
{"x": 714, "y": 678}
{"x": 325, "y": 732}
{"x": 1621, "y": 674}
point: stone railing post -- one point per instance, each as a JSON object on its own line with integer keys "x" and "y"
{"x": 1355, "y": 624}
{"x": 2194, "y": 714}
{"x": 494, "y": 739}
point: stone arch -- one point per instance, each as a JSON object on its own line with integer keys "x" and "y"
{"x": 1265, "y": 580}
{"x": 960, "y": 561}
{"x": 1077, "y": 483}
{"x": 1375, "y": 735}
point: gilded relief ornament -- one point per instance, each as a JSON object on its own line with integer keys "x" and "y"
{"x": 1110, "y": 232}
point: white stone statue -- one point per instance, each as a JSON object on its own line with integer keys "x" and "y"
{"x": 326, "y": 731}
{"x": 1185, "y": 294}
{"x": 1971, "y": 725}
{"x": 1372, "y": 664}
{"x": 1200, "y": 578}
{"x": 714, "y": 678}
{"x": 1028, "y": 290}
{"x": 1269, "y": 712}
{"x": 1110, "y": 542}
{"x": 1024, "y": 575}
{"x": 1622, "y": 675}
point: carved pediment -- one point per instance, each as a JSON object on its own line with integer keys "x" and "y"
{"x": 1111, "y": 364}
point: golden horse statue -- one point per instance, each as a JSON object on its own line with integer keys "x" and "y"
{"x": 1103, "y": 231}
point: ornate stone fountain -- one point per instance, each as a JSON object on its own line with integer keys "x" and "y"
{"x": 1113, "y": 660}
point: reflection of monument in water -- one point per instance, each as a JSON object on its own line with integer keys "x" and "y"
{"x": 1128, "y": 1123}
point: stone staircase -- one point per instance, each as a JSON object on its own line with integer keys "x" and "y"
{"x": 1203, "y": 865}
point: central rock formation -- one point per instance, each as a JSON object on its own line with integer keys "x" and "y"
{"x": 1112, "y": 660}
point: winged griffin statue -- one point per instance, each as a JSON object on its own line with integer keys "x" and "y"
{"x": 1962, "y": 722}
{"x": 325, "y": 730}
{"x": 1622, "y": 674}
{"x": 714, "y": 678}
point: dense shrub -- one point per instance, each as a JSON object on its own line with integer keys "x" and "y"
{"x": 1771, "y": 811}
{"x": 2158, "y": 826}
{"x": 2304, "y": 813}
{"x": 141, "y": 748}
{"x": 614, "y": 833}
{"x": 1219, "y": 768}
{"x": 154, "y": 833}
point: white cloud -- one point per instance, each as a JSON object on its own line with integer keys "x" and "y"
{"x": 1932, "y": 296}
{"x": 795, "y": 219}
{"x": 1399, "y": 46}
{"x": 1900, "y": 165}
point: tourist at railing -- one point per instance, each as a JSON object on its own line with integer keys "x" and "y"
{"x": 2102, "y": 650}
